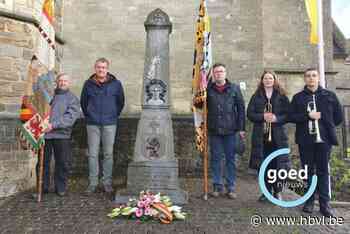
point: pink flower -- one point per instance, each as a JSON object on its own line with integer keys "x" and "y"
{"x": 139, "y": 213}
{"x": 148, "y": 211}
{"x": 140, "y": 204}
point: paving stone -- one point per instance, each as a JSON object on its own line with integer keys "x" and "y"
{"x": 79, "y": 213}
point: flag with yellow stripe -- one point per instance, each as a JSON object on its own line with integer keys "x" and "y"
{"x": 311, "y": 8}
{"x": 201, "y": 67}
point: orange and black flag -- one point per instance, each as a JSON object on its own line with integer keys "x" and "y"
{"x": 201, "y": 69}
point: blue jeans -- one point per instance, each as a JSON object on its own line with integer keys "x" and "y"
{"x": 223, "y": 145}
{"x": 95, "y": 135}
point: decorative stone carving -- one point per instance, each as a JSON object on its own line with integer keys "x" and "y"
{"x": 158, "y": 19}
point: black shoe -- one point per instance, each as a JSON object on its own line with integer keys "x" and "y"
{"x": 36, "y": 195}
{"x": 108, "y": 188}
{"x": 326, "y": 210}
{"x": 308, "y": 207}
{"x": 278, "y": 196}
{"x": 262, "y": 198}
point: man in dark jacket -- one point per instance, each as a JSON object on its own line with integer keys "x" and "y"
{"x": 65, "y": 110}
{"x": 226, "y": 116}
{"x": 313, "y": 123}
{"x": 102, "y": 101}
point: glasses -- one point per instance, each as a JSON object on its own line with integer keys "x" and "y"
{"x": 220, "y": 71}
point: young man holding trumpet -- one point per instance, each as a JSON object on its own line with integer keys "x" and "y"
{"x": 316, "y": 112}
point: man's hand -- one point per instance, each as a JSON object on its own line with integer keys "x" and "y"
{"x": 315, "y": 115}
{"x": 269, "y": 117}
{"x": 49, "y": 128}
{"x": 242, "y": 134}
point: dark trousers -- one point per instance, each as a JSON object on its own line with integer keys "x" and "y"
{"x": 277, "y": 185}
{"x": 316, "y": 157}
{"x": 61, "y": 149}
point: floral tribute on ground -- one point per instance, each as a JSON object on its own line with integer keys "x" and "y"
{"x": 149, "y": 206}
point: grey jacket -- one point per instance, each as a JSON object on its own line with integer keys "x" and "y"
{"x": 65, "y": 110}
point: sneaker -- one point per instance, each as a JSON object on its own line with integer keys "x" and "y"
{"x": 61, "y": 194}
{"x": 91, "y": 189}
{"x": 215, "y": 194}
{"x": 108, "y": 188}
{"x": 232, "y": 195}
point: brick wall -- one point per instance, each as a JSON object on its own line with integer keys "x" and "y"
{"x": 17, "y": 46}
{"x": 185, "y": 150}
{"x": 16, "y": 165}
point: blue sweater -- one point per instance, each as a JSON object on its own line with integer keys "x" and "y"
{"x": 102, "y": 103}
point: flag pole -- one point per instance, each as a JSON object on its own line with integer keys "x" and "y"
{"x": 41, "y": 172}
{"x": 205, "y": 154}
{"x": 320, "y": 44}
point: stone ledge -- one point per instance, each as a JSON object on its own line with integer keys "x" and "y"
{"x": 28, "y": 19}
{"x": 9, "y": 116}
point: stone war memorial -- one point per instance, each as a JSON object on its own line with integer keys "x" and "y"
{"x": 151, "y": 45}
{"x": 154, "y": 165}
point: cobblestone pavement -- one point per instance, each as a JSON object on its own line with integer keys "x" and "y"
{"x": 79, "y": 213}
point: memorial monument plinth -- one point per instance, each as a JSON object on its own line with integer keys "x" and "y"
{"x": 154, "y": 166}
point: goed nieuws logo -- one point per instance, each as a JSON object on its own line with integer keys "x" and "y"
{"x": 283, "y": 174}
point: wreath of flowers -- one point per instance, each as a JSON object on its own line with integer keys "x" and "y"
{"x": 149, "y": 206}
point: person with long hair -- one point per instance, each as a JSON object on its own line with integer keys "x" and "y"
{"x": 268, "y": 110}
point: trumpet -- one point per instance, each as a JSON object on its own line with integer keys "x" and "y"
{"x": 267, "y": 125}
{"x": 313, "y": 124}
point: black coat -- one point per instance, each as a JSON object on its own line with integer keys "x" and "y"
{"x": 331, "y": 115}
{"x": 226, "y": 111}
{"x": 255, "y": 113}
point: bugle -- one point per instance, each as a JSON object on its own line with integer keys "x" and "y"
{"x": 268, "y": 125}
{"x": 313, "y": 124}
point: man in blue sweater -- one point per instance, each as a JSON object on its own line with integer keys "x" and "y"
{"x": 102, "y": 101}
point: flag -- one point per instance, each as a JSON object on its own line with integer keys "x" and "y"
{"x": 46, "y": 42}
{"x": 35, "y": 109}
{"x": 311, "y": 8}
{"x": 201, "y": 68}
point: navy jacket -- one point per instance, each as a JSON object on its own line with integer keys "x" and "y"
{"x": 226, "y": 111}
{"x": 102, "y": 103}
{"x": 331, "y": 116}
{"x": 65, "y": 110}
{"x": 255, "y": 113}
